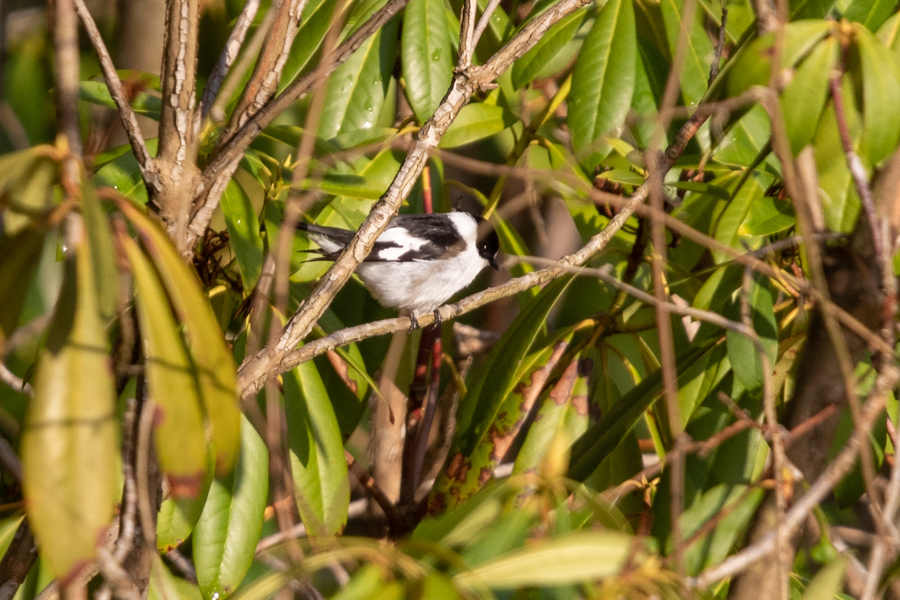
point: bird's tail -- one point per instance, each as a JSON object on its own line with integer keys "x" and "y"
{"x": 331, "y": 240}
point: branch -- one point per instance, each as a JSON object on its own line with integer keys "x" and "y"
{"x": 178, "y": 72}
{"x": 225, "y": 160}
{"x": 114, "y": 84}
{"x": 65, "y": 42}
{"x": 175, "y": 159}
{"x": 465, "y": 83}
{"x": 854, "y": 164}
{"x": 817, "y": 492}
{"x": 17, "y": 561}
{"x": 226, "y": 59}
{"x": 264, "y": 81}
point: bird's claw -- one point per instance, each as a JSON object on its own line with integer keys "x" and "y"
{"x": 413, "y": 322}
{"x": 438, "y": 319}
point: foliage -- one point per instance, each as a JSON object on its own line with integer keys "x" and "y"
{"x": 626, "y": 429}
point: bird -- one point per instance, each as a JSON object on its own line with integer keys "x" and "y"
{"x": 419, "y": 261}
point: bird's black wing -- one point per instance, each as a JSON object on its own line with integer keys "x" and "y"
{"x": 435, "y": 234}
{"x": 441, "y": 239}
{"x": 342, "y": 237}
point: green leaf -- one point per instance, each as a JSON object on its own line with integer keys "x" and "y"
{"x": 178, "y": 422}
{"x": 177, "y": 517}
{"x": 495, "y": 380}
{"x": 880, "y": 79}
{"x": 25, "y": 184}
{"x": 572, "y": 558}
{"x": 731, "y": 507}
{"x": 20, "y": 254}
{"x": 317, "y": 452}
{"x": 810, "y": 9}
{"x": 103, "y": 255}
{"x": 889, "y": 33}
{"x": 356, "y": 90}
{"x": 143, "y": 102}
{"x": 828, "y": 582}
{"x": 533, "y": 62}
{"x": 243, "y": 230}
{"x": 563, "y": 411}
{"x": 753, "y": 65}
{"x": 346, "y": 184}
{"x": 804, "y": 99}
{"x": 69, "y": 443}
{"x": 475, "y": 122}
{"x": 870, "y": 13}
{"x": 215, "y": 369}
{"x": 698, "y": 49}
{"x": 603, "y": 81}
{"x": 229, "y": 528}
{"x": 602, "y": 437}
{"x": 768, "y": 215}
{"x": 742, "y": 353}
{"x": 427, "y": 52}
{"x": 165, "y": 586}
{"x": 123, "y": 174}
{"x": 840, "y": 204}
{"x": 438, "y": 585}
{"x": 316, "y": 19}
{"x": 736, "y": 212}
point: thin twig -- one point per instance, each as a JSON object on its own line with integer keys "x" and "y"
{"x": 115, "y": 576}
{"x": 779, "y": 460}
{"x": 374, "y": 491}
{"x": 226, "y": 59}
{"x": 218, "y": 172}
{"x": 857, "y": 170}
{"x": 484, "y": 21}
{"x": 794, "y": 517}
{"x": 271, "y": 62}
{"x": 114, "y": 84}
{"x": 467, "y": 33}
{"x": 129, "y": 488}
{"x": 14, "y": 381}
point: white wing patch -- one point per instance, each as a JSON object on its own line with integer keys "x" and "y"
{"x": 405, "y": 242}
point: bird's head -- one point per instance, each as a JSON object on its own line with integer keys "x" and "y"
{"x": 488, "y": 244}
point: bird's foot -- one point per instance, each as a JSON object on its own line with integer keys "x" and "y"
{"x": 438, "y": 319}
{"x": 413, "y": 322}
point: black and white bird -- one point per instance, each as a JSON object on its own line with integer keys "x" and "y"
{"x": 419, "y": 261}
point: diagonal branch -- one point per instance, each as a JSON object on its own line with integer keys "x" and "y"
{"x": 272, "y": 58}
{"x": 218, "y": 172}
{"x": 817, "y": 492}
{"x": 226, "y": 59}
{"x": 465, "y": 83}
{"x": 114, "y": 84}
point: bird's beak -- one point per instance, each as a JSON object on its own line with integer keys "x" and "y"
{"x": 493, "y": 262}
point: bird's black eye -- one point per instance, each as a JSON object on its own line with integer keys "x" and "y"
{"x": 489, "y": 245}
